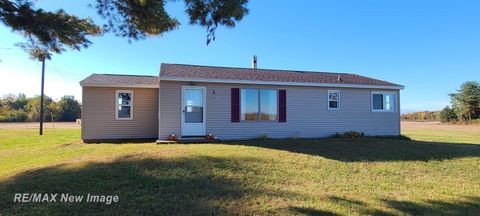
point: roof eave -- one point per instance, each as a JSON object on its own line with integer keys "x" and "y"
{"x": 183, "y": 79}
{"x": 120, "y": 85}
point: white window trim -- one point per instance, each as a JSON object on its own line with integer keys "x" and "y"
{"x": 259, "y": 105}
{"x": 394, "y": 110}
{"x": 328, "y": 100}
{"x": 116, "y": 104}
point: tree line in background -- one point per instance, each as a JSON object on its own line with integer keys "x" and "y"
{"x": 422, "y": 116}
{"x": 465, "y": 106}
{"x": 19, "y": 108}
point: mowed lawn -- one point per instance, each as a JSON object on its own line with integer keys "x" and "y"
{"x": 435, "y": 173}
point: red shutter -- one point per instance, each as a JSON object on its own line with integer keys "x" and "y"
{"x": 235, "y": 111}
{"x": 282, "y": 105}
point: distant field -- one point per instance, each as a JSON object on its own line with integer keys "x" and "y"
{"x": 36, "y": 125}
{"x": 436, "y": 173}
{"x": 436, "y": 131}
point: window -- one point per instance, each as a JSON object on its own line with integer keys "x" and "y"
{"x": 193, "y": 105}
{"x": 258, "y": 105}
{"x": 333, "y": 99}
{"x": 383, "y": 101}
{"x": 268, "y": 105}
{"x": 124, "y": 101}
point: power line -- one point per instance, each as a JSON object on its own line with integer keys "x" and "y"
{"x": 67, "y": 74}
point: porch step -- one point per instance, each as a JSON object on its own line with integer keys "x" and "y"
{"x": 187, "y": 140}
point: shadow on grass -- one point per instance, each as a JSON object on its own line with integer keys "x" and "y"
{"x": 310, "y": 211}
{"x": 369, "y": 149}
{"x": 466, "y": 206}
{"x": 186, "y": 186}
{"x": 463, "y": 206}
{"x": 154, "y": 186}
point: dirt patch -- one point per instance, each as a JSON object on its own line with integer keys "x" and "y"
{"x": 36, "y": 125}
{"x": 435, "y": 125}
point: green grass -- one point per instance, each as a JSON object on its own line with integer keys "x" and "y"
{"x": 304, "y": 177}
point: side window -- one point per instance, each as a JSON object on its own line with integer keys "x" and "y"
{"x": 333, "y": 99}
{"x": 124, "y": 105}
{"x": 383, "y": 101}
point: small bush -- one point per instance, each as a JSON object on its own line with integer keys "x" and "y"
{"x": 263, "y": 136}
{"x": 349, "y": 134}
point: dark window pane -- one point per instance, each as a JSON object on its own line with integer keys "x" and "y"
{"x": 124, "y": 112}
{"x": 378, "y": 101}
{"x": 268, "y": 105}
{"x": 124, "y": 98}
{"x": 249, "y": 104}
{"x": 193, "y": 114}
{"x": 333, "y": 104}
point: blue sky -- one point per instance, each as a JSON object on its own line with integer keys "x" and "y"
{"x": 431, "y": 47}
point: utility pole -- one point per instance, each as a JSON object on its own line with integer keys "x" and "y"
{"x": 41, "y": 97}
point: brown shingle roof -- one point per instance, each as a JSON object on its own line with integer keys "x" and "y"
{"x": 120, "y": 80}
{"x": 266, "y": 75}
{"x": 224, "y": 74}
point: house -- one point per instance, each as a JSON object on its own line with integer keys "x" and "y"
{"x": 236, "y": 103}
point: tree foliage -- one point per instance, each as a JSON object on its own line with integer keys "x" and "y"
{"x": 421, "y": 116}
{"x": 19, "y": 108}
{"x": 448, "y": 115}
{"x": 466, "y": 102}
{"x": 33, "y": 108}
{"x": 51, "y": 32}
{"x": 68, "y": 109}
{"x": 46, "y": 32}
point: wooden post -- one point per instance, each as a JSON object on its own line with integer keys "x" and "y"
{"x": 41, "y": 97}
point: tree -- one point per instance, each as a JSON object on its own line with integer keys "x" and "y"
{"x": 68, "y": 109}
{"x": 50, "y": 32}
{"x": 448, "y": 115}
{"x": 12, "y": 108}
{"x": 16, "y": 102}
{"x": 466, "y": 102}
{"x": 33, "y": 109}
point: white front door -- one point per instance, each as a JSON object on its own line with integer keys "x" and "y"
{"x": 193, "y": 111}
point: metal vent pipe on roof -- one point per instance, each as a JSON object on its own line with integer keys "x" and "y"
{"x": 254, "y": 62}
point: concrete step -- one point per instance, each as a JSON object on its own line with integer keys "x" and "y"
{"x": 188, "y": 140}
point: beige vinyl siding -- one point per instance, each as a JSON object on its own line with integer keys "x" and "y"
{"x": 170, "y": 108}
{"x": 98, "y": 114}
{"x": 307, "y": 113}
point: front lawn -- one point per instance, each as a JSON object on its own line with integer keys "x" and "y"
{"x": 305, "y": 177}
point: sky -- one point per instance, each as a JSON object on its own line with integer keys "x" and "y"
{"x": 430, "y": 47}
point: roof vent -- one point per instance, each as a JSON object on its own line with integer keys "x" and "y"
{"x": 339, "y": 78}
{"x": 254, "y": 62}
